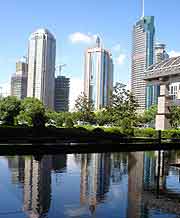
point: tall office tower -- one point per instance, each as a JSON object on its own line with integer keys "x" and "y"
{"x": 98, "y": 75}
{"x": 142, "y": 56}
{"x": 61, "y": 97}
{"x": 160, "y": 52}
{"x": 41, "y": 67}
{"x": 19, "y": 80}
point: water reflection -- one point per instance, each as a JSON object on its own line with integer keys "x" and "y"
{"x": 95, "y": 179}
{"x": 130, "y": 185}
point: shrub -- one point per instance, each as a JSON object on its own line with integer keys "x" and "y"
{"x": 148, "y": 132}
{"x": 68, "y": 123}
{"x": 98, "y": 131}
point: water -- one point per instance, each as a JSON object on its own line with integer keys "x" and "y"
{"x": 122, "y": 185}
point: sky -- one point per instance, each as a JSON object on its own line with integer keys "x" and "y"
{"x": 75, "y": 23}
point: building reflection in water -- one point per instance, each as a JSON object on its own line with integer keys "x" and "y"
{"x": 95, "y": 179}
{"x": 98, "y": 173}
{"x": 135, "y": 183}
{"x": 37, "y": 186}
{"x": 35, "y": 176}
{"x": 16, "y": 164}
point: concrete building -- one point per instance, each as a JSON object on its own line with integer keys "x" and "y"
{"x": 41, "y": 67}
{"x": 163, "y": 74}
{"x": 153, "y": 91}
{"x": 19, "y": 80}
{"x": 98, "y": 75}
{"x": 142, "y": 56}
{"x": 61, "y": 97}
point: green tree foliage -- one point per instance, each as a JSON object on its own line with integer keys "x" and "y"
{"x": 175, "y": 116}
{"x": 149, "y": 116}
{"x": 85, "y": 108}
{"x": 123, "y": 107}
{"x": 32, "y": 113}
{"x": 103, "y": 117}
{"x": 69, "y": 123}
{"x": 9, "y": 109}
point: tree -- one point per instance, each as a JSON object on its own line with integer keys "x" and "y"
{"x": 149, "y": 116}
{"x": 123, "y": 107}
{"x": 85, "y": 108}
{"x": 68, "y": 123}
{"x": 32, "y": 112}
{"x": 9, "y": 109}
{"x": 174, "y": 116}
{"x": 102, "y": 117}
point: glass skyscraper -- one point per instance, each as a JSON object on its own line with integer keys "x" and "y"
{"x": 61, "y": 97}
{"x": 98, "y": 77}
{"x": 142, "y": 57}
{"x": 41, "y": 67}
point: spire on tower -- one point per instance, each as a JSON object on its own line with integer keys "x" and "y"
{"x": 98, "y": 42}
{"x": 142, "y": 8}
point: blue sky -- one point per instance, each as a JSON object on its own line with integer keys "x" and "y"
{"x": 112, "y": 19}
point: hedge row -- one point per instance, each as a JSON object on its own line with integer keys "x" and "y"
{"x": 139, "y": 132}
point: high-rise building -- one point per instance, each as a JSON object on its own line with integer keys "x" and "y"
{"x": 61, "y": 97}
{"x": 19, "y": 80}
{"x": 142, "y": 56}
{"x": 98, "y": 76}
{"x": 41, "y": 67}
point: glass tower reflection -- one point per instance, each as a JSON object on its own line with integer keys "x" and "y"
{"x": 95, "y": 179}
{"x": 37, "y": 187}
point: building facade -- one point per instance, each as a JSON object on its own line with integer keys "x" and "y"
{"x": 160, "y": 52}
{"x": 142, "y": 57}
{"x": 19, "y": 80}
{"x": 153, "y": 91}
{"x": 61, "y": 97}
{"x": 41, "y": 67}
{"x": 98, "y": 75}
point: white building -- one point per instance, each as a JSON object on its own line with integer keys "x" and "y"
{"x": 41, "y": 67}
{"x": 98, "y": 75}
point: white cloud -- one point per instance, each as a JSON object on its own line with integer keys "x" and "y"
{"x": 116, "y": 47}
{"x": 174, "y": 53}
{"x": 120, "y": 59}
{"x": 76, "y": 87}
{"x": 5, "y": 89}
{"x": 79, "y": 37}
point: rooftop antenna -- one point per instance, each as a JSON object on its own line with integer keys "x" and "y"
{"x": 98, "y": 42}
{"x": 60, "y": 67}
{"x": 142, "y": 8}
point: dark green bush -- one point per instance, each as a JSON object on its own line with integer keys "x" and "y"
{"x": 171, "y": 133}
{"x": 98, "y": 131}
{"x": 68, "y": 123}
{"x": 148, "y": 132}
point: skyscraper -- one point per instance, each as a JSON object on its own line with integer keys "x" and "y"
{"x": 41, "y": 67}
{"x": 142, "y": 56}
{"x": 19, "y": 80}
{"x": 98, "y": 75}
{"x": 61, "y": 98}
